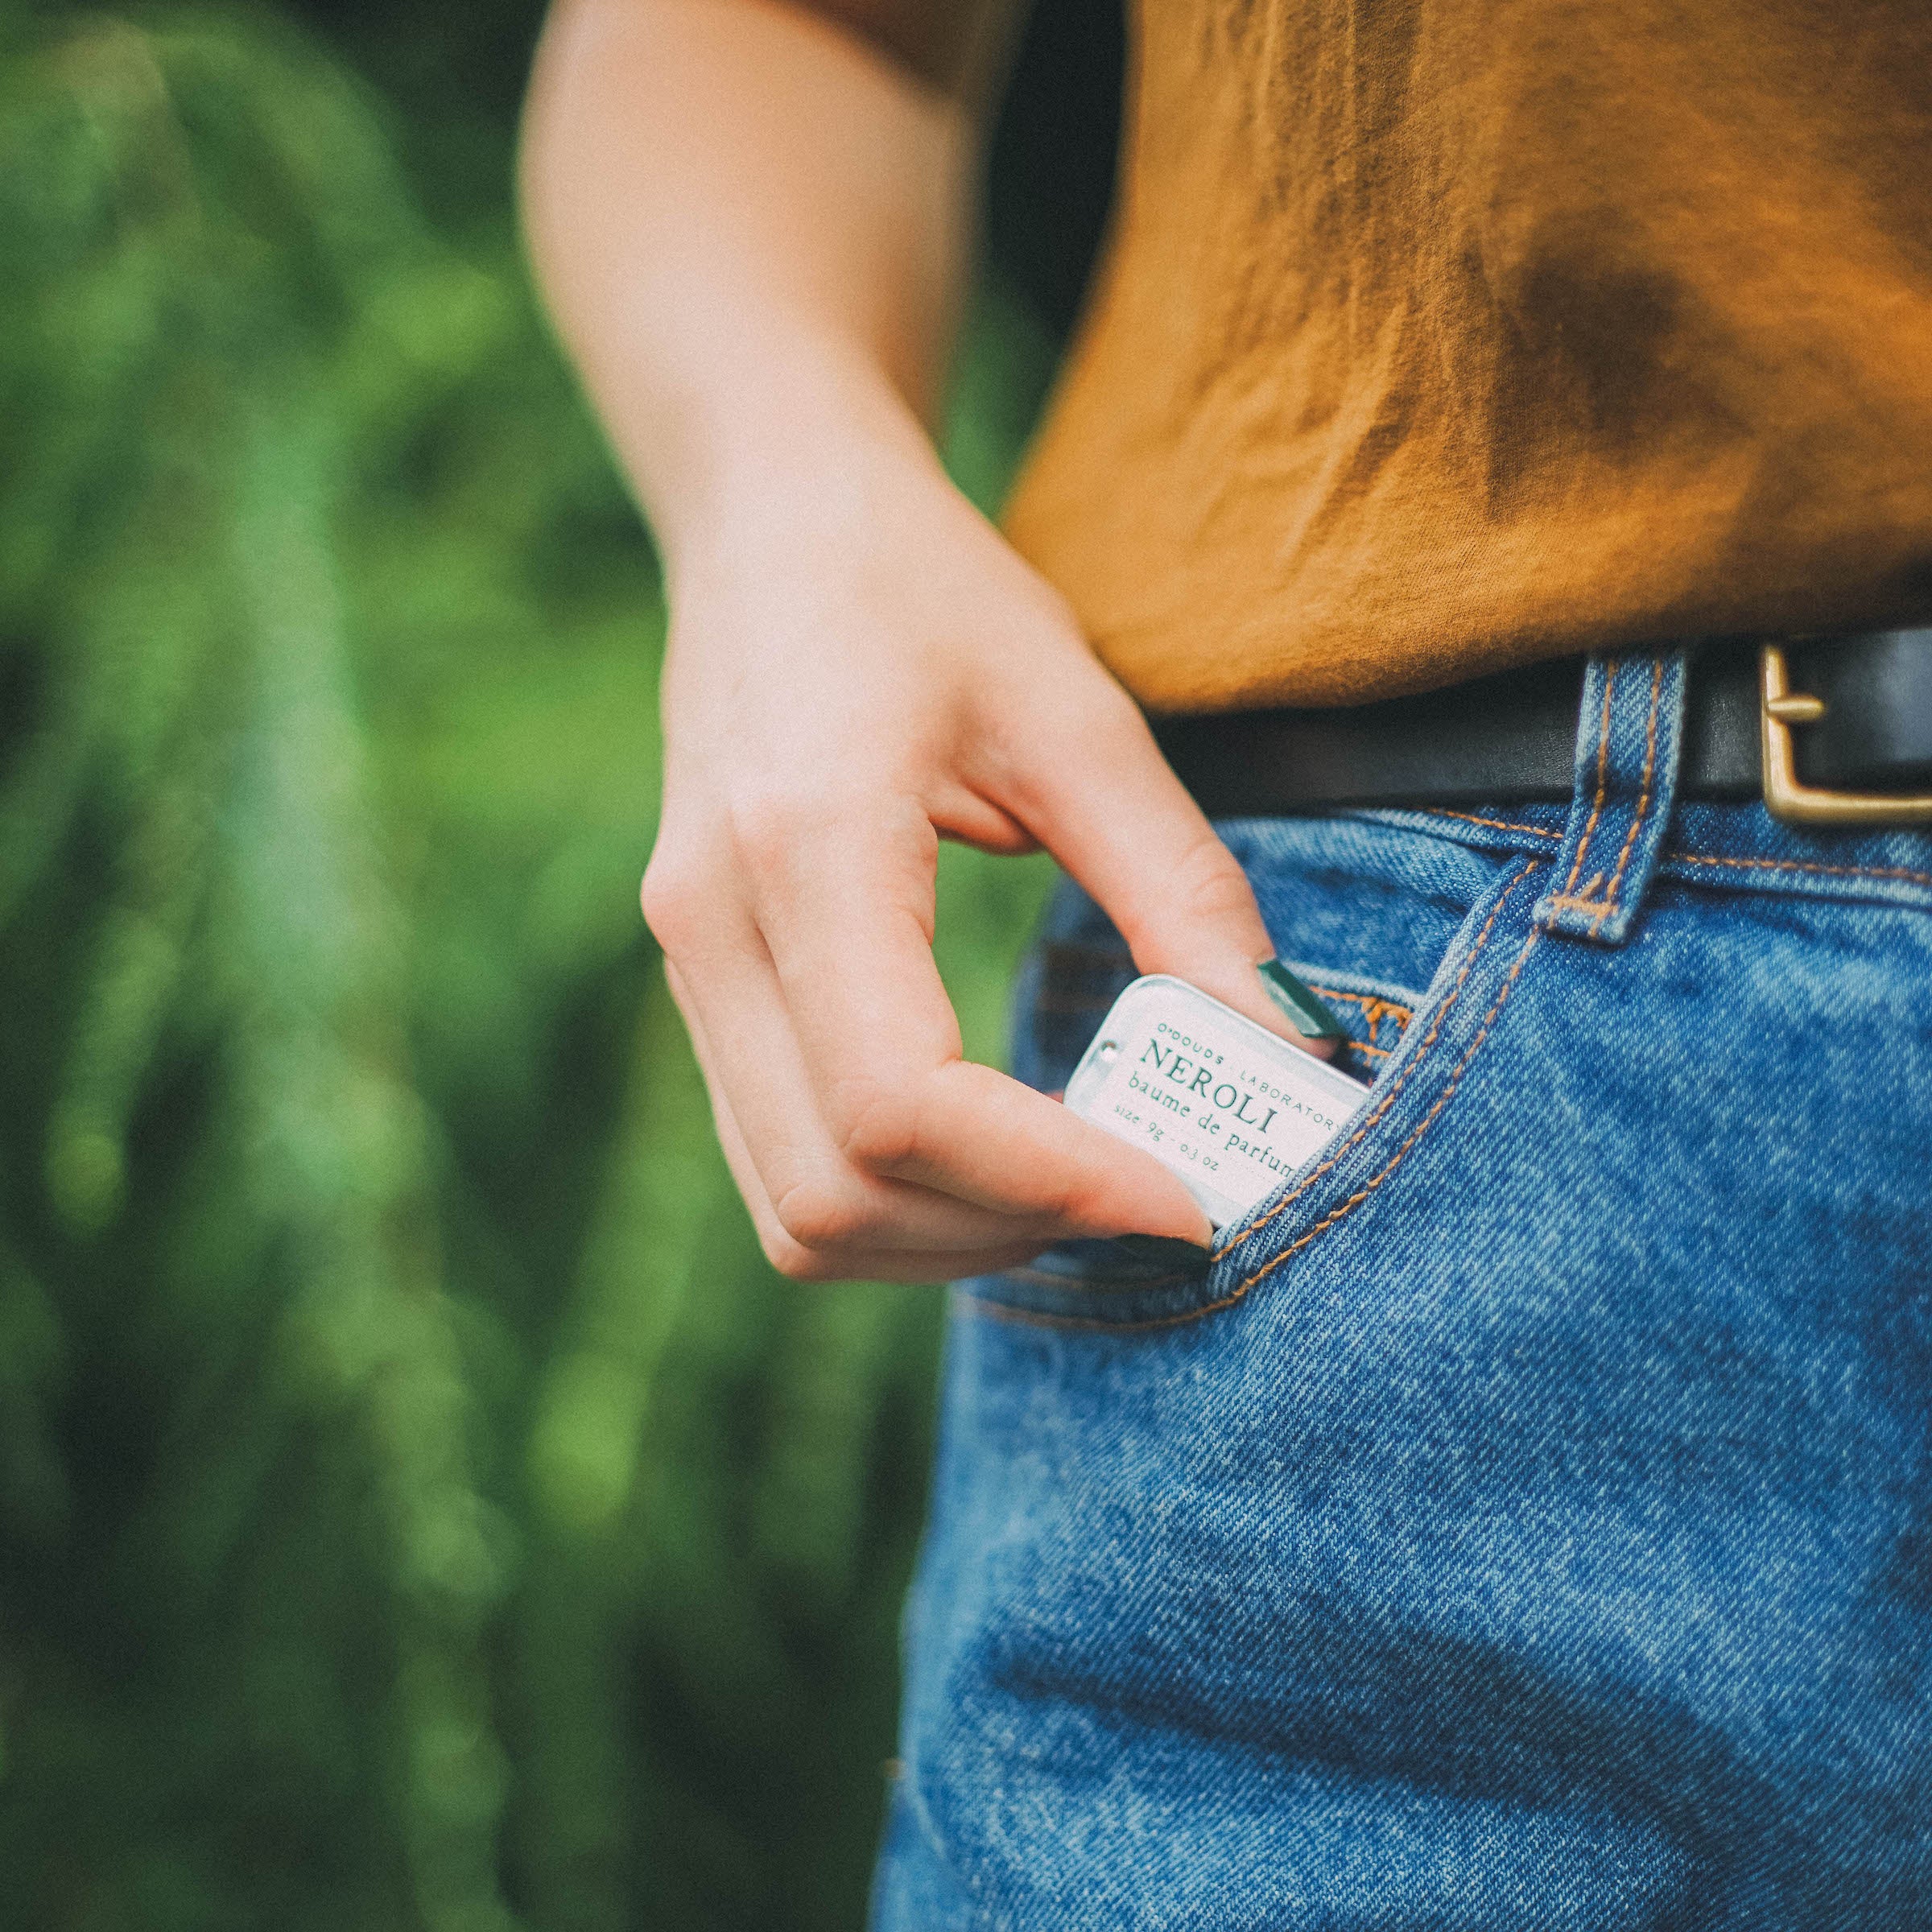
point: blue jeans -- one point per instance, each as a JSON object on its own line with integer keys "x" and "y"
{"x": 1527, "y": 1522}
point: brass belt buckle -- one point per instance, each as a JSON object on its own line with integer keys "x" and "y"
{"x": 1785, "y": 797}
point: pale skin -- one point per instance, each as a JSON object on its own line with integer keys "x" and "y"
{"x": 752, "y": 226}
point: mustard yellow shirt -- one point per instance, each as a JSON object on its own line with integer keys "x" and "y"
{"x": 1437, "y": 336}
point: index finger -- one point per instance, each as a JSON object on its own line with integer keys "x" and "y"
{"x": 850, "y": 936}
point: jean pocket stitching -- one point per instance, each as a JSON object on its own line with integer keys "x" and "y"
{"x": 1422, "y": 1127}
{"x": 1904, "y": 872}
{"x": 1472, "y": 818}
{"x": 1374, "y": 1009}
{"x": 1240, "y": 1291}
{"x": 1379, "y": 1110}
{"x": 1051, "y": 1319}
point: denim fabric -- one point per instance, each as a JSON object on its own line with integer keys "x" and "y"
{"x": 1527, "y": 1521}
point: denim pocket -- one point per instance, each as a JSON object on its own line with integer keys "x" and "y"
{"x": 1365, "y": 913}
{"x": 1375, "y": 1012}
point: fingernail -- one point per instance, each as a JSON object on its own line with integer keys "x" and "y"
{"x": 1305, "y": 1013}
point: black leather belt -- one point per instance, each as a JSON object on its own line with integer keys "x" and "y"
{"x": 1834, "y": 730}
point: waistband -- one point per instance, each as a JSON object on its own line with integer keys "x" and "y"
{"x": 1830, "y": 731}
{"x": 1636, "y": 726}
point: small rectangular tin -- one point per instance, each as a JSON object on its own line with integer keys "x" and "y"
{"x": 1230, "y": 1108}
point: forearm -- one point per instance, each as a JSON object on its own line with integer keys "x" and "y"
{"x": 752, "y": 229}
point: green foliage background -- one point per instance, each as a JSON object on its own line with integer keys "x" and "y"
{"x": 418, "y": 1505}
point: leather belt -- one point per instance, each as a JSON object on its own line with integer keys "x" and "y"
{"x": 1830, "y": 730}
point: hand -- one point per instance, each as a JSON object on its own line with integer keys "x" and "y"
{"x": 842, "y": 691}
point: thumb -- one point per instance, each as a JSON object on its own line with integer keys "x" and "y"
{"x": 1117, "y": 817}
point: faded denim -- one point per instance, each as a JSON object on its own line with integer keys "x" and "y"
{"x": 1527, "y": 1521}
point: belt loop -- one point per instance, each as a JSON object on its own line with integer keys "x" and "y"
{"x": 1627, "y": 736}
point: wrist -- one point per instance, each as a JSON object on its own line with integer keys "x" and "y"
{"x": 803, "y": 446}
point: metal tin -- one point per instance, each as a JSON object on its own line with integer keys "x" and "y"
{"x": 1230, "y": 1108}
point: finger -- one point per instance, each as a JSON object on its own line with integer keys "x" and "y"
{"x": 1128, "y": 830}
{"x": 799, "y": 1263}
{"x": 781, "y": 1153}
{"x": 798, "y": 1189}
{"x": 849, "y": 935}
{"x": 737, "y": 1156}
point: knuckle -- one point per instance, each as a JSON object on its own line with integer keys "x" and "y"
{"x": 1079, "y": 1203}
{"x": 878, "y": 1126}
{"x": 795, "y": 1260}
{"x": 821, "y": 1216}
{"x": 1038, "y": 718}
{"x": 1208, "y": 884}
{"x": 791, "y": 1259}
{"x": 772, "y": 825}
{"x": 671, "y": 898}
{"x": 765, "y": 827}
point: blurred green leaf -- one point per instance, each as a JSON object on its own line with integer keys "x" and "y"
{"x": 419, "y": 1506}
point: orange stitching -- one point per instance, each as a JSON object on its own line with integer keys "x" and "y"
{"x": 1603, "y": 767}
{"x": 1470, "y": 818}
{"x": 1036, "y": 1319}
{"x": 1849, "y": 871}
{"x": 1370, "y": 1003}
{"x": 1388, "y": 1100}
{"x": 1643, "y": 799}
{"x": 1374, "y": 1008}
{"x": 1422, "y": 1126}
